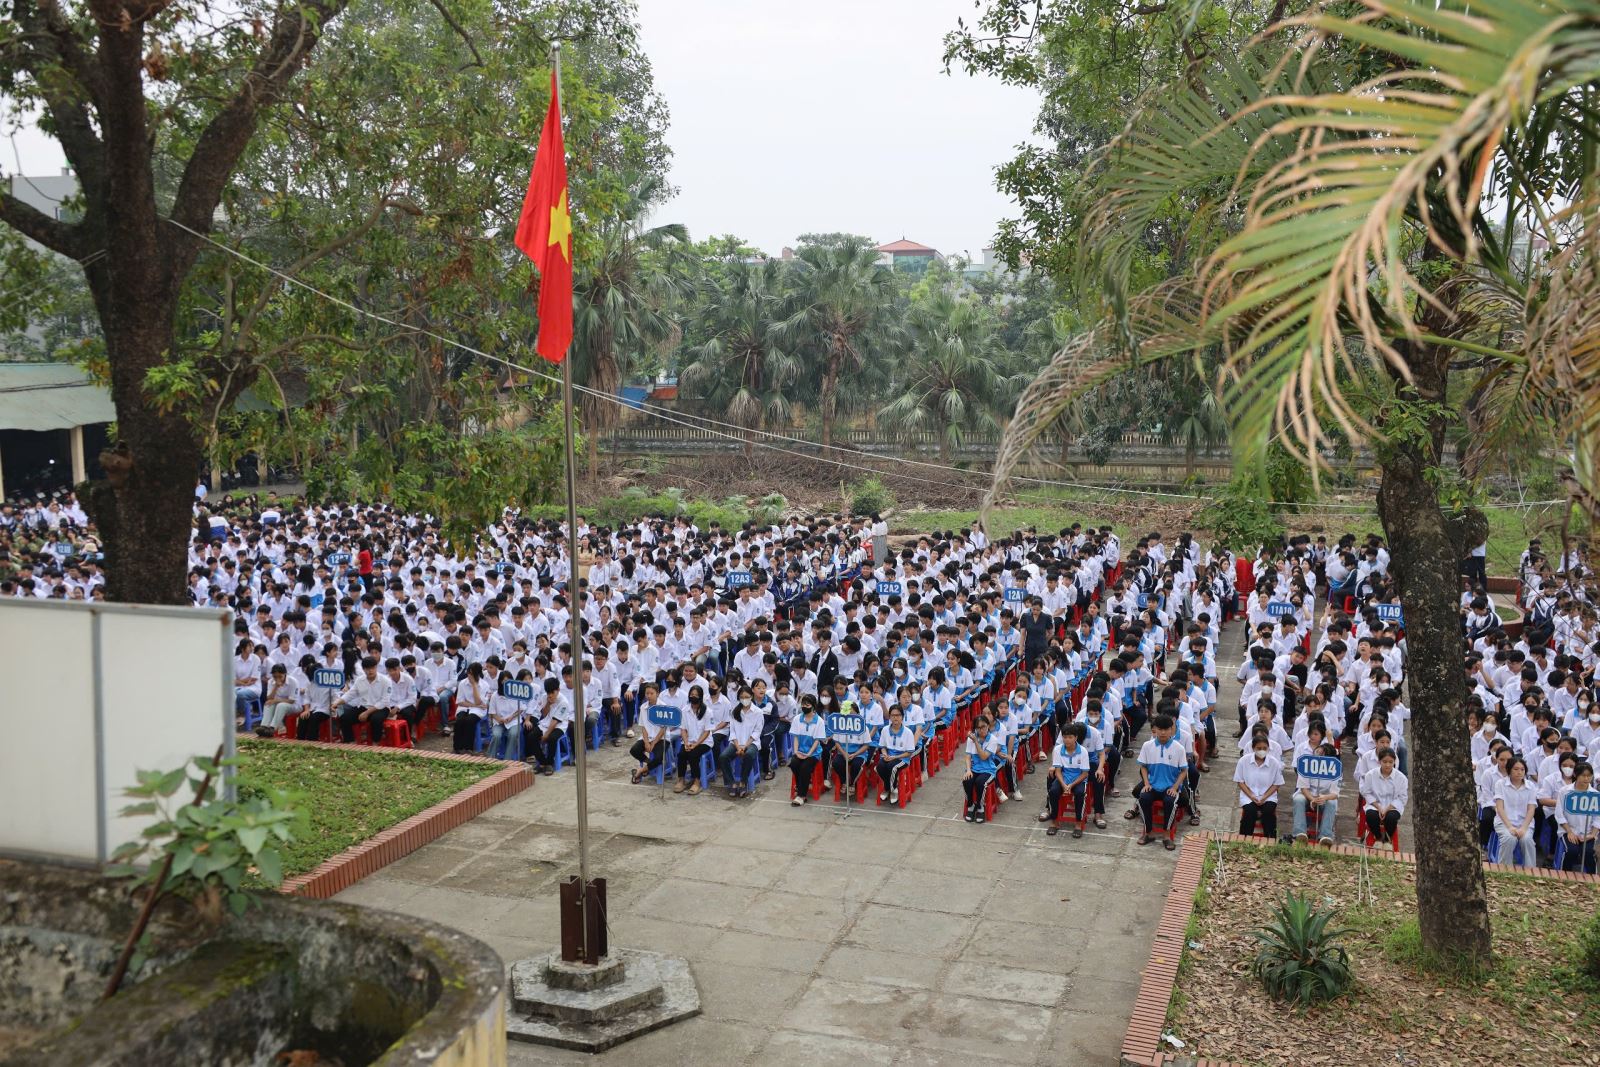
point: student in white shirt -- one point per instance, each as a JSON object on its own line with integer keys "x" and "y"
{"x": 696, "y": 739}
{"x": 744, "y": 744}
{"x": 363, "y": 701}
{"x": 653, "y": 743}
{"x": 1069, "y": 773}
{"x": 555, "y": 718}
{"x": 505, "y": 718}
{"x": 1578, "y": 831}
{"x": 1259, "y": 776}
{"x": 897, "y": 743}
{"x": 1316, "y": 794}
{"x": 283, "y": 696}
{"x": 472, "y": 704}
{"x": 1515, "y": 801}
{"x": 1386, "y": 791}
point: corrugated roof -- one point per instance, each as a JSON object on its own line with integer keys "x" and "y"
{"x": 51, "y": 396}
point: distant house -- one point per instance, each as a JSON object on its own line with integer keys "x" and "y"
{"x": 904, "y": 255}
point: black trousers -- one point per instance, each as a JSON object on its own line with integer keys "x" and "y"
{"x": 348, "y": 717}
{"x": 1267, "y": 814}
{"x": 1169, "y": 815}
{"x": 974, "y": 787}
{"x": 547, "y": 745}
{"x": 1382, "y": 827}
{"x": 309, "y": 727}
{"x": 1054, "y": 793}
{"x": 465, "y": 733}
{"x": 656, "y": 754}
{"x": 804, "y": 769}
{"x": 689, "y": 761}
{"x": 412, "y": 714}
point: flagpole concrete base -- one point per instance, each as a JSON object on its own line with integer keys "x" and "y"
{"x": 591, "y": 1008}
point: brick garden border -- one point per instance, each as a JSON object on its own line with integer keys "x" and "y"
{"x": 1141, "y": 1042}
{"x": 341, "y": 871}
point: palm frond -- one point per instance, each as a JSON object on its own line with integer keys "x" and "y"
{"x": 1164, "y": 320}
{"x": 1323, "y": 255}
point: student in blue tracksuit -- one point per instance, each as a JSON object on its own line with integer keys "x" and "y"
{"x": 810, "y": 733}
{"x": 1163, "y": 771}
{"x": 897, "y": 743}
{"x": 1069, "y": 773}
{"x": 980, "y": 766}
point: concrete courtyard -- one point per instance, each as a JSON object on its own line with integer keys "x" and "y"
{"x": 881, "y": 937}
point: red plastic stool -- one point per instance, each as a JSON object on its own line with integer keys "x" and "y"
{"x": 289, "y": 722}
{"x": 396, "y": 733}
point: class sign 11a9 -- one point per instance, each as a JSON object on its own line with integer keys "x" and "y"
{"x": 1582, "y": 802}
{"x": 1323, "y": 768}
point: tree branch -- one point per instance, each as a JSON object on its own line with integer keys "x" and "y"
{"x": 295, "y": 33}
{"x": 477, "y": 60}
{"x": 67, "y": 238}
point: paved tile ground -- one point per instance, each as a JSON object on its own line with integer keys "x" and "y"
{"x": 882, "y": 937}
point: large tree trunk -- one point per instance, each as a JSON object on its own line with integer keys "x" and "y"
{"x": 1452, "y": 905}
{"x": 830, "y": 393}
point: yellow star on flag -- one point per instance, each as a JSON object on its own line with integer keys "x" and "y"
{"x": 561, "y": 227}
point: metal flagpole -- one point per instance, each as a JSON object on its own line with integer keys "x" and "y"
{"x": 575, "y": 618}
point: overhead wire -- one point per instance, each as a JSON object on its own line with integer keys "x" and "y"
{"x": 741, "y": 434}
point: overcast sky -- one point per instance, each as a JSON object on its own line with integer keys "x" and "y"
{"x": 790, "y": 116}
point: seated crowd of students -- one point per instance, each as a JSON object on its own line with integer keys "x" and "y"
{"x": 730, "y": 652}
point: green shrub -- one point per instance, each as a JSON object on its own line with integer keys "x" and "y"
{"x": 1586, "y": 949}
{"x": 870, "y": 497}
{"x": 1241, "y": 519}
{"x": 1300, "y": 959}
{"x": 730, "y": 513}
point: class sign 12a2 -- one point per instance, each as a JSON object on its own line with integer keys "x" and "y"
{"x": 886, "y": 588}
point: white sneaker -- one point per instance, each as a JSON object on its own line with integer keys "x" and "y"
{"x": 797, "y": 801}
{"x": 630, "y": 732}
{"x": 1017, "y": 795}
{"x": 1000, "y": 795}
{"x": 894, "y": 798}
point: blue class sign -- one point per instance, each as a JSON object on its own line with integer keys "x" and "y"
{"x": 1279, "y": 608}
{"x": 338, "y": 559}
{"x": 842, "y": 725}
{"x": 516, "y": 690}
{"x": 739, "y": 579}
{"x": 664, "y": 715}
{"x": 1322, "y": 768}
{"x": 1391, "y": 612}
{"x": 506, "y": 567}
{"x": 1581, "y": 802}
{"x": 1016, "y": 594}
{"x": 328, "y": 678}
{"x": 889, "y": 588}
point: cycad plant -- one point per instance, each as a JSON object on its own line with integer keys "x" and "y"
{"x": 1300, "y": 959}
{"x": 1340, "y": 174}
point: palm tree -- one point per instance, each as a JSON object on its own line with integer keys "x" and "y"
{"x": 740, "y": 368}
{"x": 1352, "y": 155}
{"x": 618, "y": 299}
{"x": 949, "y": 381}
{"x": 1196, "y": 419}
{"x": 849, "y": 304}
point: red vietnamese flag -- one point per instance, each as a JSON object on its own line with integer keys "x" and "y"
{"x": 544, "y": 233}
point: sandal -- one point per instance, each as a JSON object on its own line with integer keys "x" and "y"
{"x": 1099, "y": 822}
{"x": 1194, "y": 820}
{"x": 1131, "y": 813}
{"x": 1077, "y": 831}
{"x": 636, "y": 776}
{"x": 1052, "y": 831}
{"x": 1145, "y": 839}
{"x": 767, "y": 777}
{"x": 1168, "y": 843}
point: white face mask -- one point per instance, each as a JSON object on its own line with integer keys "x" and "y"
{"x": 438, "y": 657}
{"x": 825, "y": 701}
{"x": 744, "y": 702}
{"x": 1566, "y": 772}
{"x": 1594, "y": 717}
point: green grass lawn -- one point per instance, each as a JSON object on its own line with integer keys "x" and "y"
{"x": 350, "y": 795}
